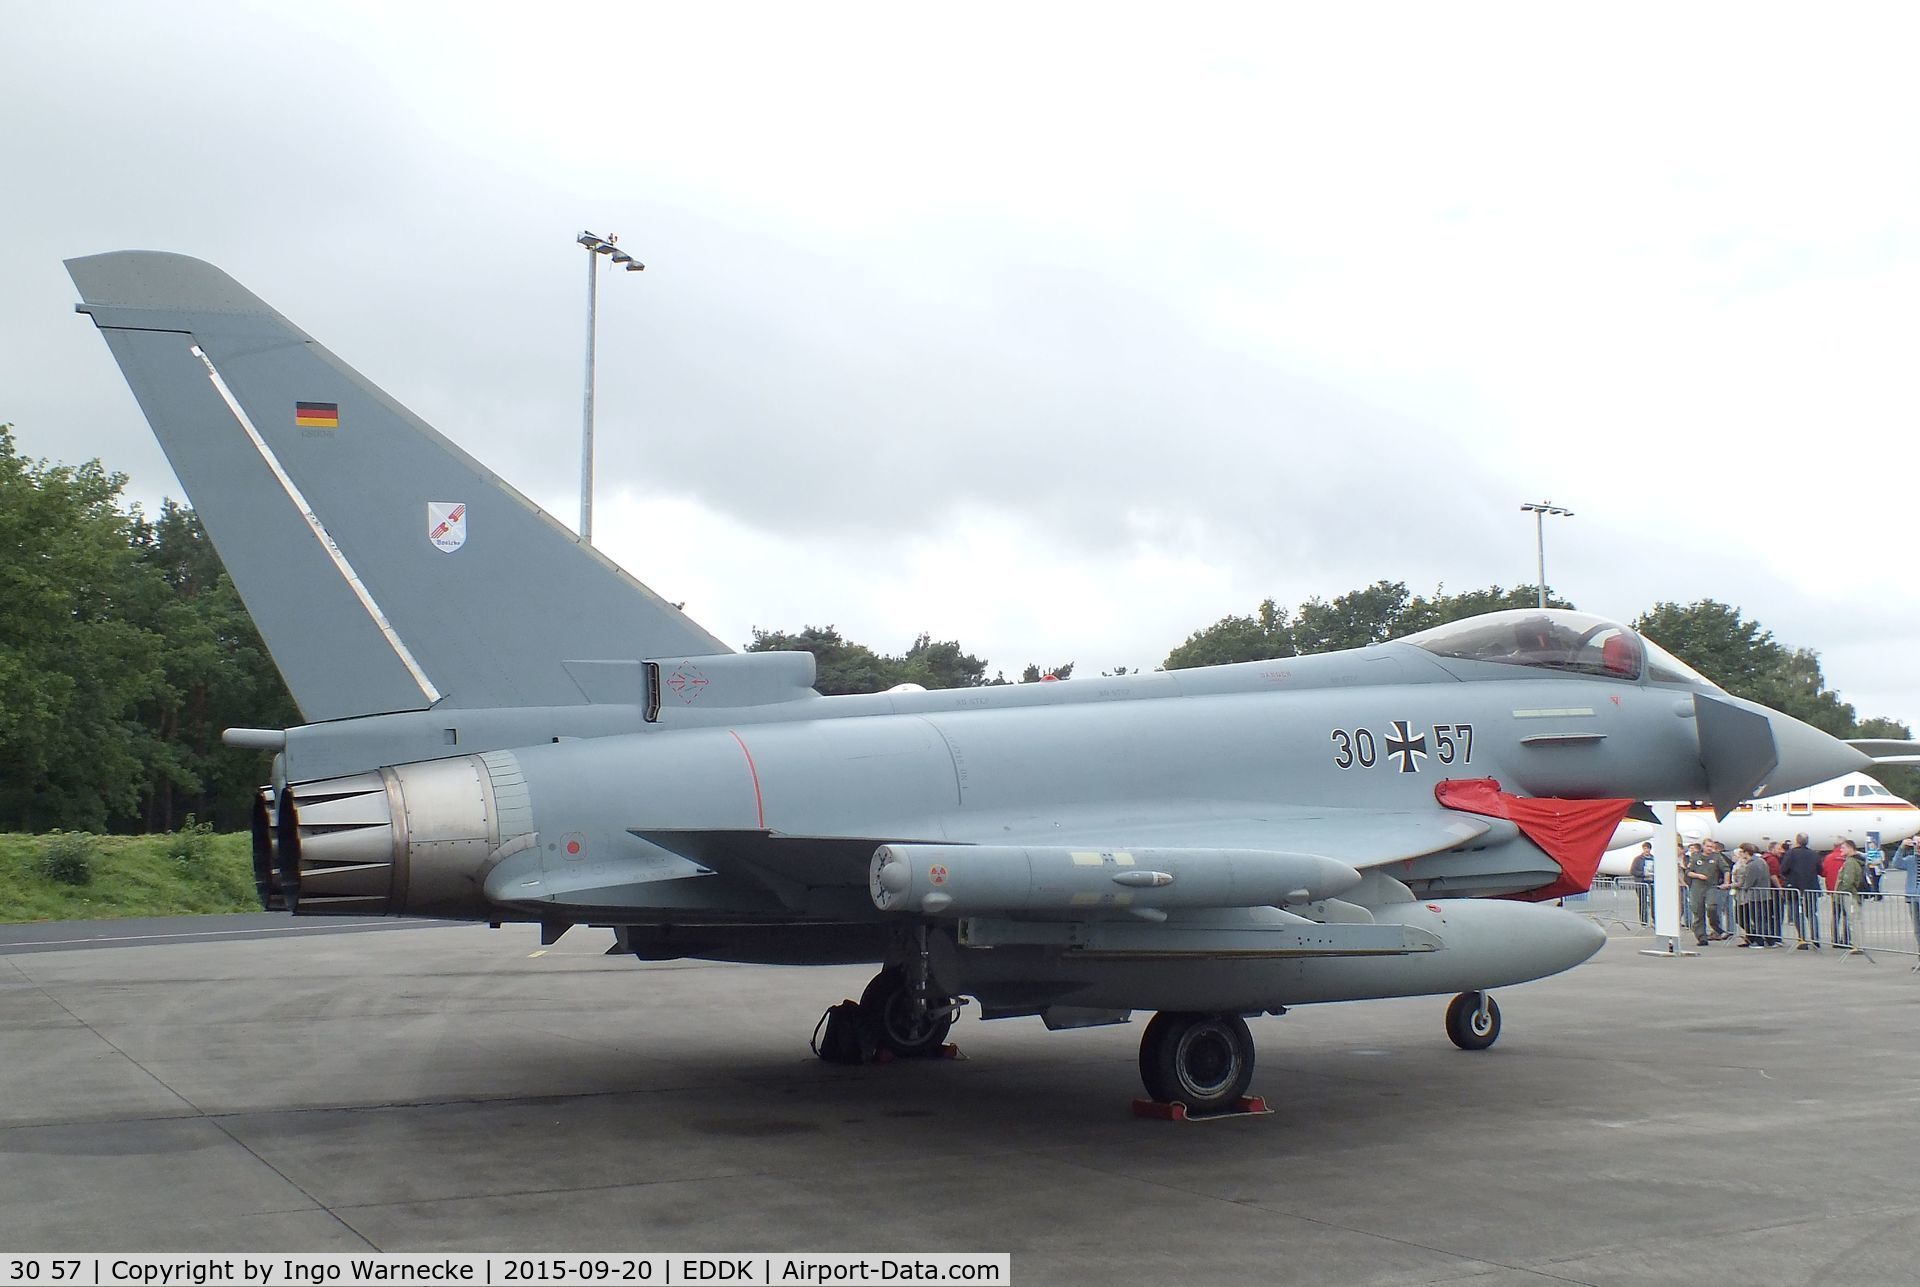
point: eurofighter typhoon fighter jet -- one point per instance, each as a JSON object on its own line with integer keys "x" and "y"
{"x": 505, "y": 726}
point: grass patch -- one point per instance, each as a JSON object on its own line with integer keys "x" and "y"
{"x": 186, "y": 872}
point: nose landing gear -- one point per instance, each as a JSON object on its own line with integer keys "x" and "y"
{"x": 1473, "y": 1021}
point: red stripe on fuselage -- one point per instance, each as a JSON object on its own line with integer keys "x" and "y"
{"x": 1857, "y": 806}
{"x": 759, "y": 808}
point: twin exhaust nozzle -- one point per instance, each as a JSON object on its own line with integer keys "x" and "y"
{"x": 414, "y": 840}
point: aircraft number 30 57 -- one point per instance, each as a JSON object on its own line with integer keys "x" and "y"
{"x": 1358, "y": 747}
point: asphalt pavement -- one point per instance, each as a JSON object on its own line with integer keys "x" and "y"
{"x": 54, "y": 936}
{"x": 1739, "y": 1117}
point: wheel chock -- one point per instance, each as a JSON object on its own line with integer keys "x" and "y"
{"x": 885, "y": 1056}
{"x": 1245, "y": 1106}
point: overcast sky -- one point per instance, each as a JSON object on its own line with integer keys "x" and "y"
{"x": 1050, "y": 329}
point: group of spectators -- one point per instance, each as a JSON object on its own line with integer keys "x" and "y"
{"x": 1755, "y": 892}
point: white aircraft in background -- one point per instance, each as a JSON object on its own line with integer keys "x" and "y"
{"x": 1632, "y": 831}
{"x": 1849, "y": 807}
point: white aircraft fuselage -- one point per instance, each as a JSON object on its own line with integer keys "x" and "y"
{"x": 1850, "y": 807}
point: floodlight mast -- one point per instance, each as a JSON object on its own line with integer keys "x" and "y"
{"x": 1540, "y": 510}
{"x": 596, "y": 247}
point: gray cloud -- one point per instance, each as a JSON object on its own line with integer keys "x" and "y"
{"x": 1268, "y": 295}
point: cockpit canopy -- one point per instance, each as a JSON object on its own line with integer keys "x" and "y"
{"x": 1556, "y": 639}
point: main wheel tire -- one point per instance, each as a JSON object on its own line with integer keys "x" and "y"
{"x": 1204, "y": 1061}
{"x": 1467, "y": 1027}
{"x": 887, "y": 1006}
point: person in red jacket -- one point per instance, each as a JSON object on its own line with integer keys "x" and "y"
{"x": 1830, "y": 865}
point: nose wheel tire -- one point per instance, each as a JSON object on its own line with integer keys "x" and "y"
{"x": 1204, "y": 1061}
{"x": 892, "y": 1020}
{"x": 1470, "y": 1025}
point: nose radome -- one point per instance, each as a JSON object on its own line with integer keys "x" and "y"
{"x": 1748, "y": 750}
{"x": 1808, "y": 756}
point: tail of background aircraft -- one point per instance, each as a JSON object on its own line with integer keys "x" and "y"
{"x": 386, "y": 569}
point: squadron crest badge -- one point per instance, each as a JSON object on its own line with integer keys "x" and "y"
{"x": 447, "y": 525}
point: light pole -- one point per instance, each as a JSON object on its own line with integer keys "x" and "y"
{"x": 596, "y": 247}
{"x": 1540, "y": 510}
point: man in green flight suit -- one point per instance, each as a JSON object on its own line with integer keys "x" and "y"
{"x": 1705, "y": 870}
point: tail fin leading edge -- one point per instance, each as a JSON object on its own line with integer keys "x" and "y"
{"x": 387, "y": 570}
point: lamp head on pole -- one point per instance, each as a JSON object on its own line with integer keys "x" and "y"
{"x": 605, "y": 246}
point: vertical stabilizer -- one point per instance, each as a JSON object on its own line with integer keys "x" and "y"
{"x": 386, "y": 569}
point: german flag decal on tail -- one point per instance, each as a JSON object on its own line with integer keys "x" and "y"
{"x": 316, "y": 415}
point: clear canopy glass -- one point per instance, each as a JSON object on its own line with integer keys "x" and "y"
{"x": 1556, "y": 639}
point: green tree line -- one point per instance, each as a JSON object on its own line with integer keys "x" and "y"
{"x": 843, "y": 667}
{"x": 125, "y": 650}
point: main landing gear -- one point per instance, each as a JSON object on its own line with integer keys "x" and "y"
{"x": 1204, "y": 1061}
{"x": 903, "y": 1010}
{"x": 1473, "y": 1021}
{"x": 900, "y": 1020}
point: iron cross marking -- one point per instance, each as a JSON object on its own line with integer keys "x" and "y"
{"x": 1410, "y": 749}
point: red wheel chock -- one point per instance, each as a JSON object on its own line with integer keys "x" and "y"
{"x": 1245, "y": 1106}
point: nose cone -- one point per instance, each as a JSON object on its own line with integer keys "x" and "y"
{"x": 1749, "y": 750}
{"x": 1807, "y": 755}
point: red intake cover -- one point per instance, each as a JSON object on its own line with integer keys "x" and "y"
{"x": 1574, "y": 833}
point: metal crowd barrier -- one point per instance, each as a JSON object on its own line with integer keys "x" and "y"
{"x": 1614, "y": 901}
{"x": 1863, "y": 924}
{"x": 1882, "y": 922}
